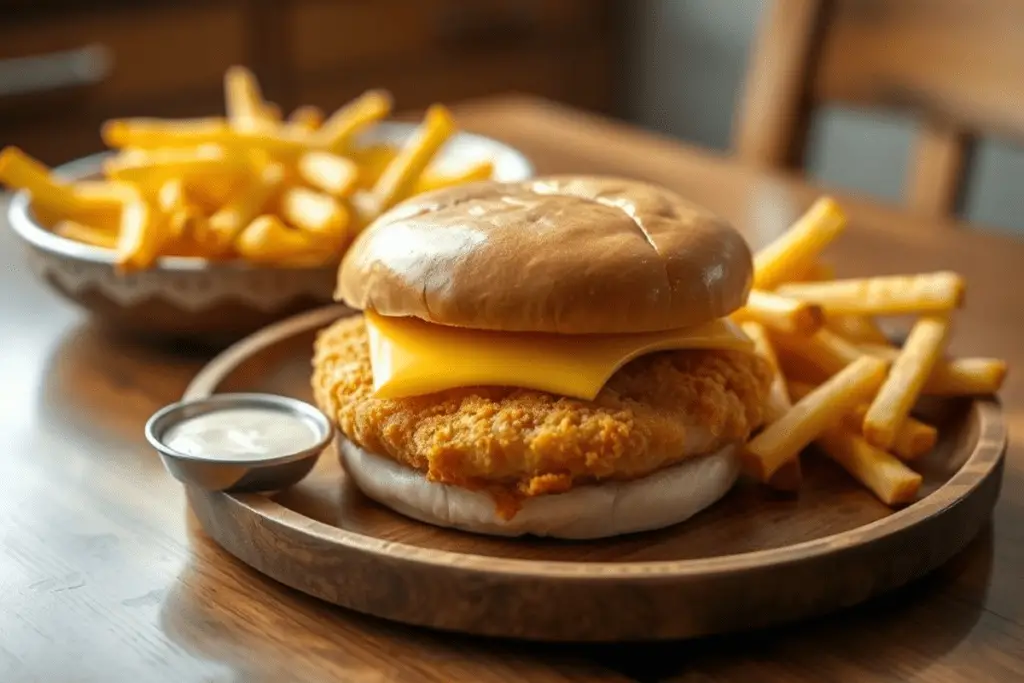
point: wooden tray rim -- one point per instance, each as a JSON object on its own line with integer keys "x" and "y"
{"x": 986, "y": 456}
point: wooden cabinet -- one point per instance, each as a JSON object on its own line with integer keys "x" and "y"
{"x": 328, "y": 35}
{"x": 65, "y": 68}
{"x": 63, "y": 72}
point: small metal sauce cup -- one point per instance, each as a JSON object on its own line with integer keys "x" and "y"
{"x": 268, "y": 473}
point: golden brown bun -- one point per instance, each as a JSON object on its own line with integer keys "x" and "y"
{"x": 567, "y": 254}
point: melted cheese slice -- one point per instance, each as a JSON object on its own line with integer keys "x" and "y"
{"x": 411, "y": 357}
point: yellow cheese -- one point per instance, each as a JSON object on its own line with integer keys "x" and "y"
{"x": 411, "y": 357}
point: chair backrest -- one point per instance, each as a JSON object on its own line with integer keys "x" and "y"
{"x": 957, "y": 64}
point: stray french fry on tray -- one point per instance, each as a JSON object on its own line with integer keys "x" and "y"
{"x": 795, "y": 251}
{"x": 910, "y": 371}
{"x": 856, "y": 328}
{"x": 778, "y": 403}
{"x": 824, "y": 407}
{"x": 966, "y": 377}
{"x": 889, "y": 479}
{"x": 789, "y": 476}
{"x": 824, "y": 350}
{"x": 895, "y": 295}
{"x": 956, "y": 376}
{"x": 816, "y": 272}
{"x": 914, "y": 438}
{"x": 781, "y": 313}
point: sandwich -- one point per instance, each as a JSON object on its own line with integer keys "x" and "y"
{"x": 551, "y": 357}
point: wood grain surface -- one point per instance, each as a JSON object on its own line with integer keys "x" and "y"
{"x": 105, "y": 576}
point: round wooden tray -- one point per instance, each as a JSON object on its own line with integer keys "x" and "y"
{"x": 753, "y": 559}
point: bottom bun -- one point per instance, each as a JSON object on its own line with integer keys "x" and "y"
{"x": 664, "y": 498}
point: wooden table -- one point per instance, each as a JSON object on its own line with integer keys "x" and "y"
{"x": 104, "y": 575}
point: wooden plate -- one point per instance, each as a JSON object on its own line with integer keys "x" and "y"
{"x": 751, "y": 560}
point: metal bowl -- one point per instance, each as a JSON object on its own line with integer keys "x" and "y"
{"x": 194, "y": 299}
{"x": 257, "y": 474}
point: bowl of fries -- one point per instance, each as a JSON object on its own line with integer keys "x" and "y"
{"x": 211, "y": 228}
{"x": 840, "y": 383}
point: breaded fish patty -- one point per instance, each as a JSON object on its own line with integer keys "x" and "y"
{"x": 655, "y": 411}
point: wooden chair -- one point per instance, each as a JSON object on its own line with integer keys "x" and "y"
{"x": 957, "y": 64}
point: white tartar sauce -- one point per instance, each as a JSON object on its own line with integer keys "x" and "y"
{"x": 241, "y": 434}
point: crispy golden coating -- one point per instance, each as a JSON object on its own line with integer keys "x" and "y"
{"x": 657, "y": 410}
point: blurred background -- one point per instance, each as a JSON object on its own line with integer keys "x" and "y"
{"x": 682, "y": 67}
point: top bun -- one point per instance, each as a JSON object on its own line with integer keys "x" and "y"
{"x": 566, "y": 254}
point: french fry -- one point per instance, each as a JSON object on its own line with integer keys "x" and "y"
{"x": 158, "y": 166}
{"x": 824, "y": 407}
{"x": 330, "y": 173}
{"x": 188, "y": 232}
{"x": 212, "y": 192}
{"x": 789, "y": 475}
{"x": 781, "y": 313}
{"x": 891, "y": 295}
{"x": 856, "y": 328}
{"x": 481, "y": 170}
{"x": 914, "y": 438}
{"x": 157, "y": 136}
{"x": 271, "y": 112}
{"x": 372, "y": 161}
{"x": 956, "y": 376}
{"x": 140, "y": 238}
{"x": 908, "y": 375}
{"x": 797, "y": 249}
{"x": 778, "y": 402}
{"x": 401, "y": 175}
{"x": 171, "y": 198}
{"x": 885, "y": 351}
{"x": 268, "y": 240}
{"x": 86, "y": 234}
{"x": 21, "y": 172}
{"x": 233, "y": 217}
{"x": 243, "y": 100}
{"x": 306, "y": 119}
{"x": 889, "y": 479}
{"x": 193, "y": 231}
{"x": 97, "y": 203}
{"x": 338, "y": 131}
{"x": 966, "y": 377}
{"x": 317, "y": 214}
{"x": 101, "y": 196}
{"x": 147, "y": 134}
{"x": 816, "y": 272}
{"x": 825, "y": 350}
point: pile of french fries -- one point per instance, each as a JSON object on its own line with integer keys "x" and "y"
{"x": 839, "y": 382}
{"x": 289, "y": 193}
